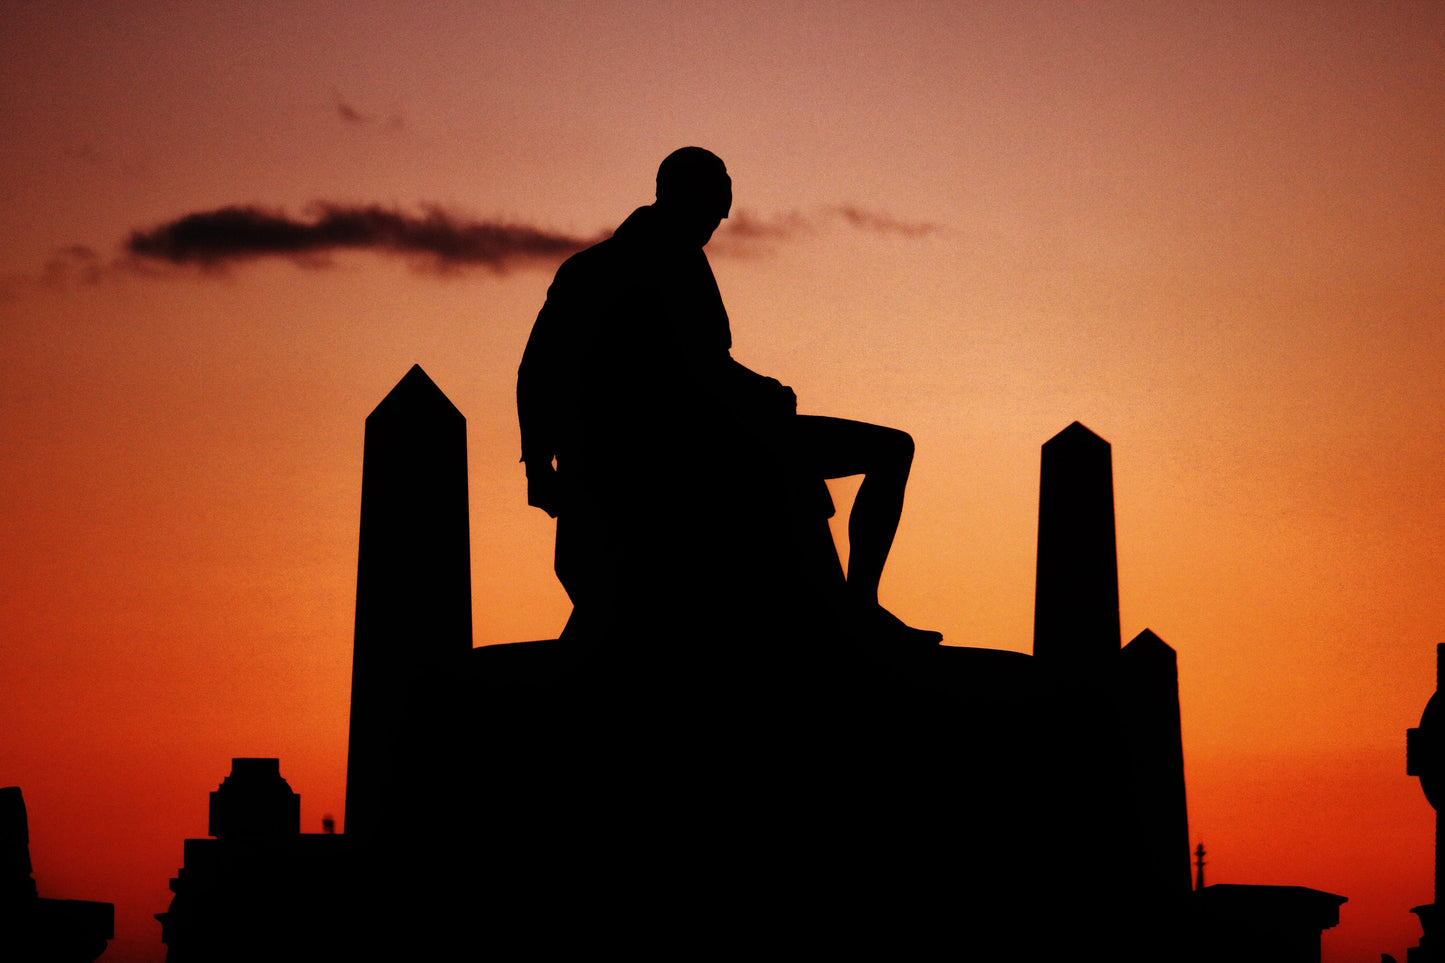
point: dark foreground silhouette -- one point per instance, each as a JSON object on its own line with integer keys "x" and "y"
{"x": 732, "y": 751}
{"x": 674, "y": 471}
{"x": 710, "y": 783}
{"x": 1425, "y": 758}
{"x": 34, "y": 929}
{"x": 700, "y": 787}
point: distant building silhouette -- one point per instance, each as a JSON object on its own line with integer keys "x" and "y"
{"x": 710, "y": 794}
{"x": 1262, "y": 924}
{"x": 34, "y": 929}
{"x": 1425, "y": 758}
{"x": 260, "y": 889}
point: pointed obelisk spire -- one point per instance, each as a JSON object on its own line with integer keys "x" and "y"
{"x": 1076, "y": 593}
{"x": 1153, "y": 803}
{"x": 413, "y": 578}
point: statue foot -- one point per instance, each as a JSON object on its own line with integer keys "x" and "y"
{"x": 877, "y": 624}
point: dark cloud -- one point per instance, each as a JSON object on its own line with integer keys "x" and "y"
{"x": 434, "y": 239}
{"x": 437, "y": 240}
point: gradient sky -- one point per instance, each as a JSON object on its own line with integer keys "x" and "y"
{"x": 1212, "y": 232}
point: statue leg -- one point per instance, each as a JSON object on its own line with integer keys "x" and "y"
{"x": 839, "y": 448}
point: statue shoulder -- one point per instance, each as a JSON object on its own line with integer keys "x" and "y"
{"x": 594, "y": 262}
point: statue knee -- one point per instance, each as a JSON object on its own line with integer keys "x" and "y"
{"x": 900, "y": 447}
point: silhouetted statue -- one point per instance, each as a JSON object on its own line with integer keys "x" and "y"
{"x": 673, "y": 470}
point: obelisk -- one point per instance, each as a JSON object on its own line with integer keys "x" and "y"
{"x": 1155, "y": 810}
{"x": 1076, "y": 591}
{"x": 413, "y": 580}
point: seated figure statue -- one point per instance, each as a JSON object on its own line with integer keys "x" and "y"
{"x": 673, "y": 470}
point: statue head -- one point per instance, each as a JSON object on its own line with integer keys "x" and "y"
{"x": 694, "y": 193}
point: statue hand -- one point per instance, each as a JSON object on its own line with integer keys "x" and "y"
{"x": 543, "y": 491}
{"x": 787, "y": 398}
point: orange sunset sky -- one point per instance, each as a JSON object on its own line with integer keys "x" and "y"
{"x": 1212, "y": 232}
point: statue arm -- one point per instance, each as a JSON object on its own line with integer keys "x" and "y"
{"x": 767, "y": 394}
{"x": 542, "y": 378}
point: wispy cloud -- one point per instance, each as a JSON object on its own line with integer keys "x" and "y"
{"x": 76, "y": 264}
{"x": 746, "y": 234}
{"x": 73, "y": 266}
{"x": 349, "y": 113}
{"x": 434, "y": 239}
{"x": 866, "y": 220}
{"x": 744, "y": 225}
{"x": 352, "y": 114}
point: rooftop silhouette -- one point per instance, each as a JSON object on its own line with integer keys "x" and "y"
{"x": 260, "y": 889}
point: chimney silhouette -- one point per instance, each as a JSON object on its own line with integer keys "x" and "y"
{"x": 413, "y": 579}
{"x": 1076, "y": 590}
